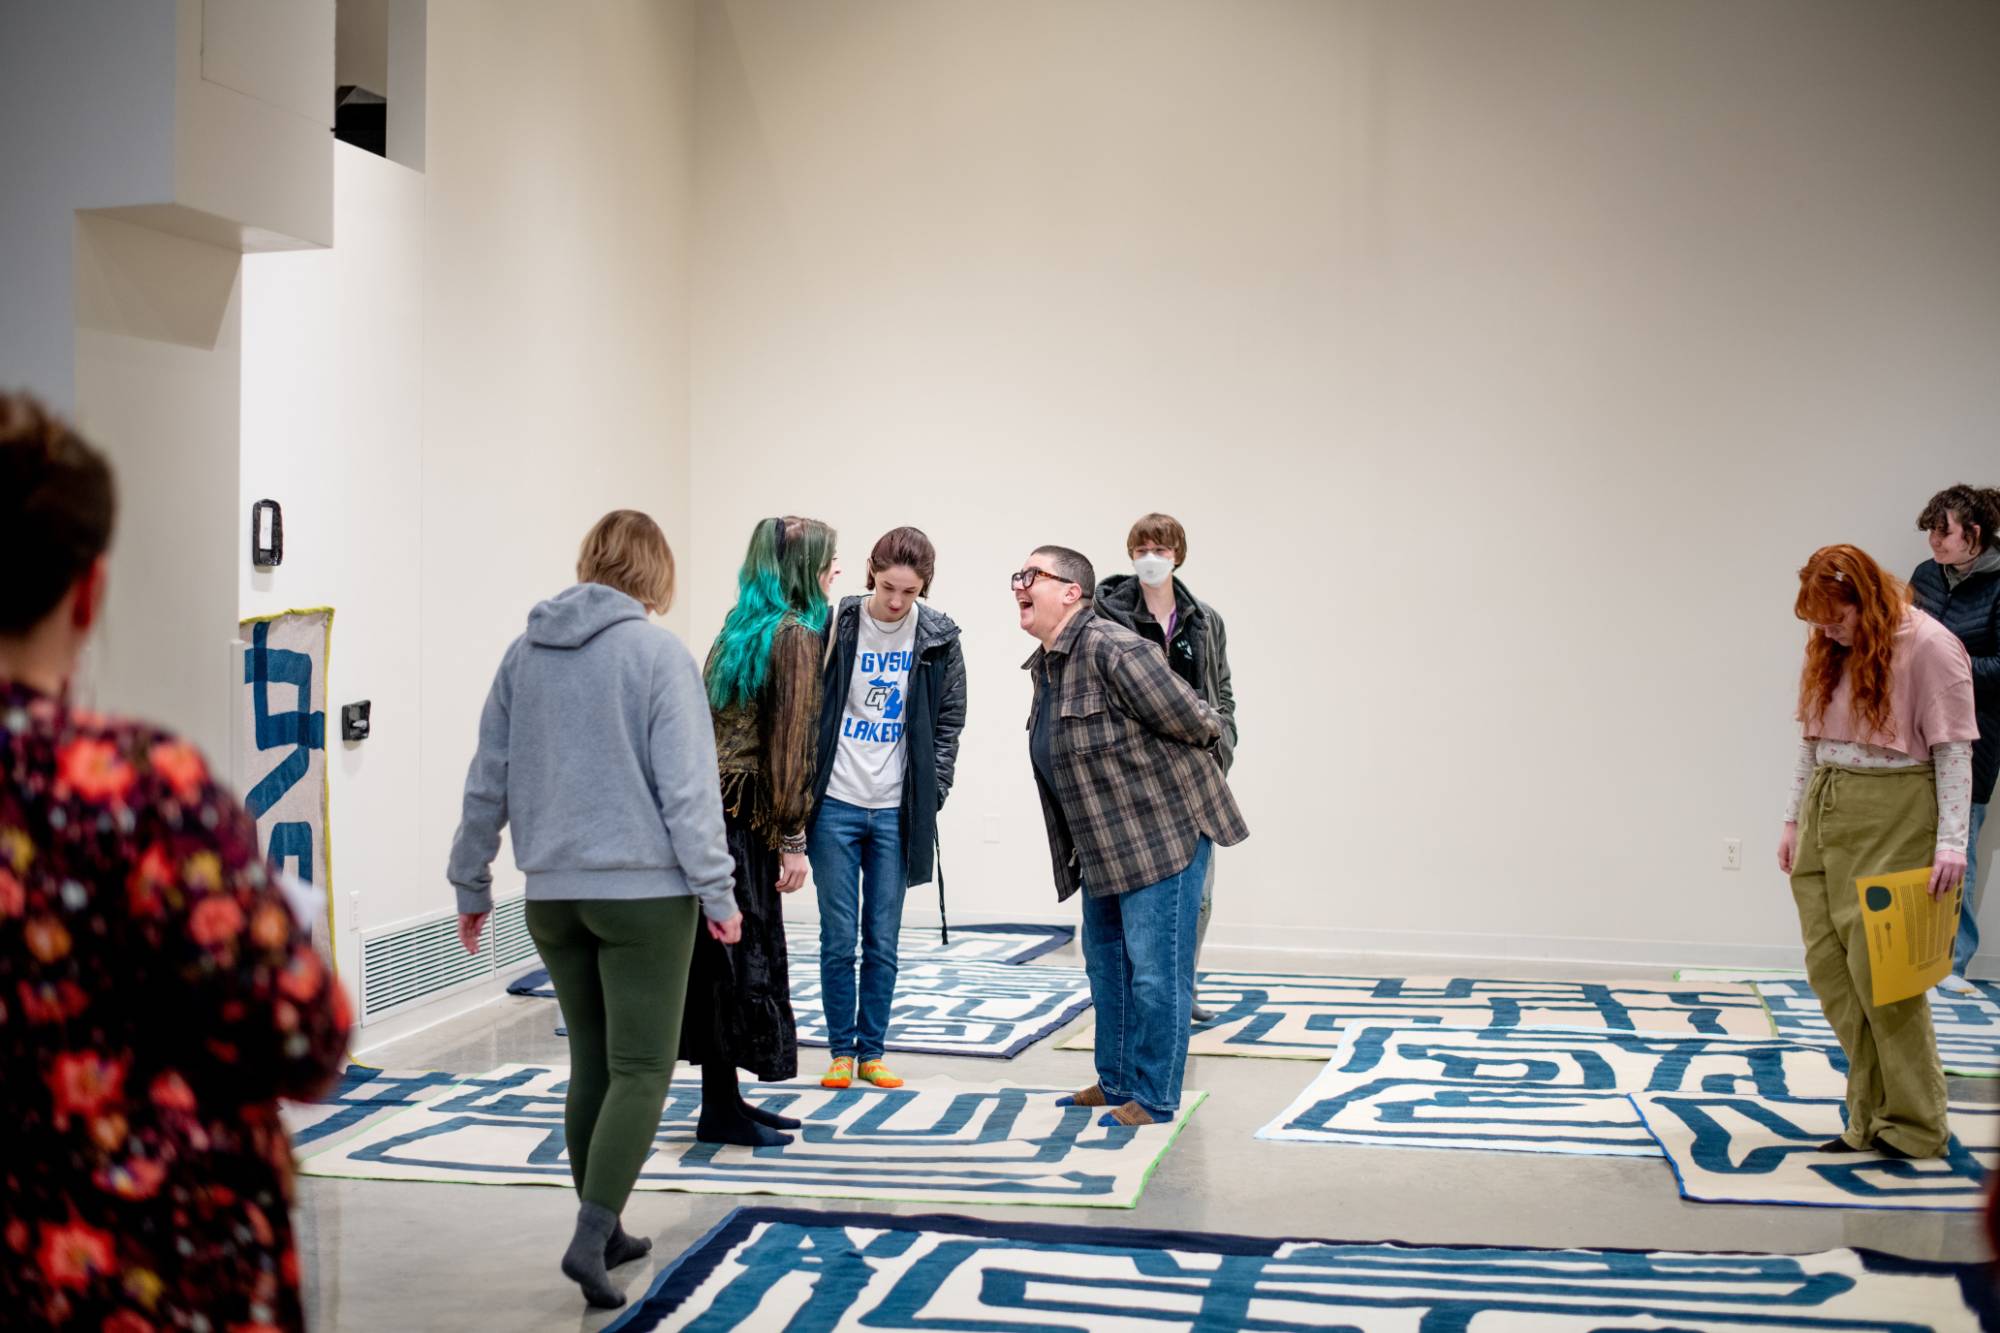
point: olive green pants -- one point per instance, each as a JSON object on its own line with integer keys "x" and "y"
{"x": 1859, "y": 822}
{"x": 620, "y": 971}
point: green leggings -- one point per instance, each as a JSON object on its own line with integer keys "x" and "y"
{"x": 620, "y": 970}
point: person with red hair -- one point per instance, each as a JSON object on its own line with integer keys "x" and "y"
{"x": 1883, "y": 783}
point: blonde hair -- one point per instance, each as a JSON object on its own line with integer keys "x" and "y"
{"x": 626, "y": 550}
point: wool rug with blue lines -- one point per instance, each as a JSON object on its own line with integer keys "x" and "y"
{"x": 933, "y": 1140}
{"x": 948, "y": 1006}
{"x": 1564, "y": 1090}
{"x": 1296, "y": 1016}
{"x": 1741, "y": 1148}
{"x": 1967, "y": 1026}
{"x": 784, "y": 1268}
{"x": 989, "y": 942}
{"x": 362, "y": 1094}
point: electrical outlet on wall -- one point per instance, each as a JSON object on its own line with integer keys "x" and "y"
{"x": 1732, "y": 853}
{"x": 992, "y": 828}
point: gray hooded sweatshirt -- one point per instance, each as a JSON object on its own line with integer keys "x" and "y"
{"x": 597, "y": 747}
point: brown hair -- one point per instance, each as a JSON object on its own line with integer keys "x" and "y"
{"x": 1973, "y": 507}
{"x": 1836, "y": 578}
{"x": 1159, "y": 530}
{"x": 908, "y": 547}
{"x": 626, "y": 550}
{"x": 57, "y": 507}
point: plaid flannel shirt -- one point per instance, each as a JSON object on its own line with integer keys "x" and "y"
{"x": 1137, "y": 781}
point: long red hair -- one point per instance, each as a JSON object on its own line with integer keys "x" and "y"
{"x": 1836, "y": 578}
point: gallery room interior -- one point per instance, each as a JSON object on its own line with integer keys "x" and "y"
{"x": 1533, "y": 386}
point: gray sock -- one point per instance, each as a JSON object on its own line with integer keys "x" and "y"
{"x": 583, "y": 1262}
{"x": 624, "y": 1247}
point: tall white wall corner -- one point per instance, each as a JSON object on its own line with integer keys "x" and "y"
{"x": 252, "y": 126}
{"x": 409, "y": 25}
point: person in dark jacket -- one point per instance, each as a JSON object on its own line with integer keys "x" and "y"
{"x": 892, "y": 708}
{"x": 1960, "y": 586}
{"x": 1153, "y": 603}
{"x": 1123, "y": 757}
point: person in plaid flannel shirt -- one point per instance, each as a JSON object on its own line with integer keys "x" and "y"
{"x": 1124, "y": 755}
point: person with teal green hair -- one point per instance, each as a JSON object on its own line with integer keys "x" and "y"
{"x": 763, "y": 679}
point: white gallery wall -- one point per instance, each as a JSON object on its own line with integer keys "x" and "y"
{"x": 157, "y": 360}
{"x": 1504, "y": 361}
{"x": 491, "y": 355}
{"x": 87, "y": 95}
{"x": 555, "y": 364}
{"x": 333, "y": 344}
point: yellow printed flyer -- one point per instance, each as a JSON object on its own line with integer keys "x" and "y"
{"x": 1909, "y": 933}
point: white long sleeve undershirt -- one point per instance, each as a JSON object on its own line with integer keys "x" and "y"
{"x": 1952, "y": 763}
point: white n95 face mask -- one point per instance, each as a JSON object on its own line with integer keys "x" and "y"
{"x": 1154, "y": 570}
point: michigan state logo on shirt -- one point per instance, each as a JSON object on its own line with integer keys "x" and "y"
{"x": 886, "y": 697}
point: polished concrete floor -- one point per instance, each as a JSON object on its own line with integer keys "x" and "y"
{"x": 389, "y": 1255}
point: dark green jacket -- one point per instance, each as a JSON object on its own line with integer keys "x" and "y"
{"x": 1199, "y": 653}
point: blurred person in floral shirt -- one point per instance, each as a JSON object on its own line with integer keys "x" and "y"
{"x": 157, "y": 993}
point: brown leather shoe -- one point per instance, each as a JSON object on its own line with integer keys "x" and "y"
{"x": 1131, "y": 1113}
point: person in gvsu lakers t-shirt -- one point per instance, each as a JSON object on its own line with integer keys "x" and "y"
{"x": 890, "y": 717}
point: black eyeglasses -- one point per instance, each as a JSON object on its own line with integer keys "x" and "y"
{"x": 1029, "y": 577}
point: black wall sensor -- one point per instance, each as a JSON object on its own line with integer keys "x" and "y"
{"x": 267, "y": 534}
{"x": 354, "y": 721}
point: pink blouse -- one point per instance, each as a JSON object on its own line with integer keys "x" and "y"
{"x": 1930, "y": 695}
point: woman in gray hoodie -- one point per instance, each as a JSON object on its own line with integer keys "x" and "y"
{"x": 596, "y": 747}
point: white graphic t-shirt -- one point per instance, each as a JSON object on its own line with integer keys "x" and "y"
{"x": 868, "y": 762}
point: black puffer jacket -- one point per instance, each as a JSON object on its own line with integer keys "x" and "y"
{"x": 1972, "y": 612}
{"x": 936, "y": 716}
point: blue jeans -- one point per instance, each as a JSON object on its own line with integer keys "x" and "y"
{"x": 858, "y": 870}
{"x": 1967, "y": 943}
{"x": 1138, "y": 951}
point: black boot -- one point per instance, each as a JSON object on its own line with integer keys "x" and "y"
{"x": 769, "y": 1119}
{"x": 725, "y": 1118}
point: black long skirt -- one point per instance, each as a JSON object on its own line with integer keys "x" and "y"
{"x": 739, "y": 1005}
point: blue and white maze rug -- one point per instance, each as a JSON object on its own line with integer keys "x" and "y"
{"x": 1746, "y": 1149}
{"x": 943, "y": 1007}
{"x": 362, "y": 1095}
{"x": 1533, "y": 1089}
{"x": 1300, "y": 1017}
{"x": 935, "y": 1140}
{"x": 1968, "y": 1026}
{"x": 996, "y": 1010}
{"x": 788, "y": 1268}
{"x": 987, "y": 942}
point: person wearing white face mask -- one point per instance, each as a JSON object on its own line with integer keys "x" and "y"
{"x": 1154, "y": 603}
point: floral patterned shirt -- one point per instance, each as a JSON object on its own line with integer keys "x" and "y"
{"x": 157, "y": 996}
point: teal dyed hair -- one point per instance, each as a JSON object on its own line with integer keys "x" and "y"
{"x": 769, "y": 587}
